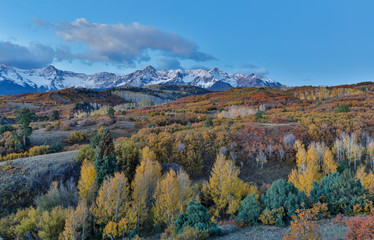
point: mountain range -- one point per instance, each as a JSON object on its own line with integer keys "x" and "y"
{"x": 15, "y": 81}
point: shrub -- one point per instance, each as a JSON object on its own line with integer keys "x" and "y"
{"x": 52, "y": 223}
{"x": 271, "y": 217}
{"x": 304, "y": 225}
{"x": 284, "y": 194}
{"x": 64, "y": 196}
{"x": 39, "y": 150}
{"x": 259, "y": 115}
{"x": 196, "y": 216}
{"x": 48, "y": 127}
{"x": 76, "y": 137}
{"x": 55, "y": 115}
{"x": 190, "y": 233}
{"x": 350, "y": 188}
{"x": 88, "y": 122}
{"x": 6, "y": 128}
{"x": 249, "y": 210}
{"x": 321, "y": 190}
{"x": 358, "y": 227}
{"x": 65, "y": 126}
{"x": 208, "y": 122}
{"x": 86, "y": 152}
{"x": 342, "y": 109}
{"x": 56, "y": 147}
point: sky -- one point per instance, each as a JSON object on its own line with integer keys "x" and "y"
{"x": 316, "y": 42}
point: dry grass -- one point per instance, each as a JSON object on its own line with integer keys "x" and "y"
{"x": 328, "y": 229}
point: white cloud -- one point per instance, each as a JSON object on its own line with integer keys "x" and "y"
{"x": 125, "y": 44}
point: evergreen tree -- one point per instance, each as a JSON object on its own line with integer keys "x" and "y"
{"x": 106, "y": 162}
{"x": 249, "y": 210}
{"x": 55, "y": 115}
{"x": 342, "y": 108}
{"x": 346, "y": 192}
{"x": 196, "y": 216}
{"x": 23, "y": 117}
{"x": 110, "y": 112}
{"x": 208, "y": 122}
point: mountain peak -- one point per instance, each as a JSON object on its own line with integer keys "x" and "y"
{"x": 50, "y": 79}
{"x": 150, "y": 68}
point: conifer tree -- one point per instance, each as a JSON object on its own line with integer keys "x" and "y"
{"x": 106, "y": 162}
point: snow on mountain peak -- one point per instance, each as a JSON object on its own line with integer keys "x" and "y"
{"x": 50, "y": 78}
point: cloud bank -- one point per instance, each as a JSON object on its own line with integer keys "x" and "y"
{"x": 32, "y": 56}
{"x": 125, "y": 44}
{"x": 118, "y": 44}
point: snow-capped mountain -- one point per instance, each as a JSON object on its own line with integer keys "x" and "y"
{"x": 14, "y": 80}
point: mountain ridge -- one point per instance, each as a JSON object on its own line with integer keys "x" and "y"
{"x": 14, "y": 80}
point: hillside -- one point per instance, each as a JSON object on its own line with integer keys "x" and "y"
{"x": 253, "y": 147}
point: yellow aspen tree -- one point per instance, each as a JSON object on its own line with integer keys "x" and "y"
{"x": 329, "y": 164}
{"x": 366, "y": 179}
{"x": 111, "y": 231}
{"x": 77, "y": 223}
{"x": 87, "y": 185}
{"x": 301, "y": 155}
{"x": 171, "y": 197}
{"x": 113, "y": 199}
{"x": 304, "y": 176}
{"x": 370, "y": 153}
{"x": 225, "y": 188}
{"x": 144, "y": 184}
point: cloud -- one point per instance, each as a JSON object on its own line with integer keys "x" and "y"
{"x": 168, "y": 63}
{"x": 125, "y": 44}
{"x": 32, "y": 56}
{"x": 249, "y": 68}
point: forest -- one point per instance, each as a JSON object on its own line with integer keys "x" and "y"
{"x": 184, "y": 163}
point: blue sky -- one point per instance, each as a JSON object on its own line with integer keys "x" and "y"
{"x": 294, "y": 42}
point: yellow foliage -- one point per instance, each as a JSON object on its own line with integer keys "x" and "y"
{"x": 113, "y": 199}
{"x": 225, "y": 187}
{"x": 307, "y": 172}
{"x": 172, "y": 194}
{"x": 87, "y": 184}
{"x": 329, "y": 164}
{"x": 144, "y": 184}
{"x": 366, "y": 179}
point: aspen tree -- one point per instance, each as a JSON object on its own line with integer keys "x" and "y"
{"x": 144, "y": 184}
{"x": 87, "y": 185}
{"x": 172, "y": 194}
{"x": 225, "y": 188}
{"x": 113, "y": 199}
{"x": 329, "y": 165}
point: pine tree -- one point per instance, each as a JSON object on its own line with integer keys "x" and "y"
{"x": 23, "y": 117}
{"x": 106, "y": 162}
